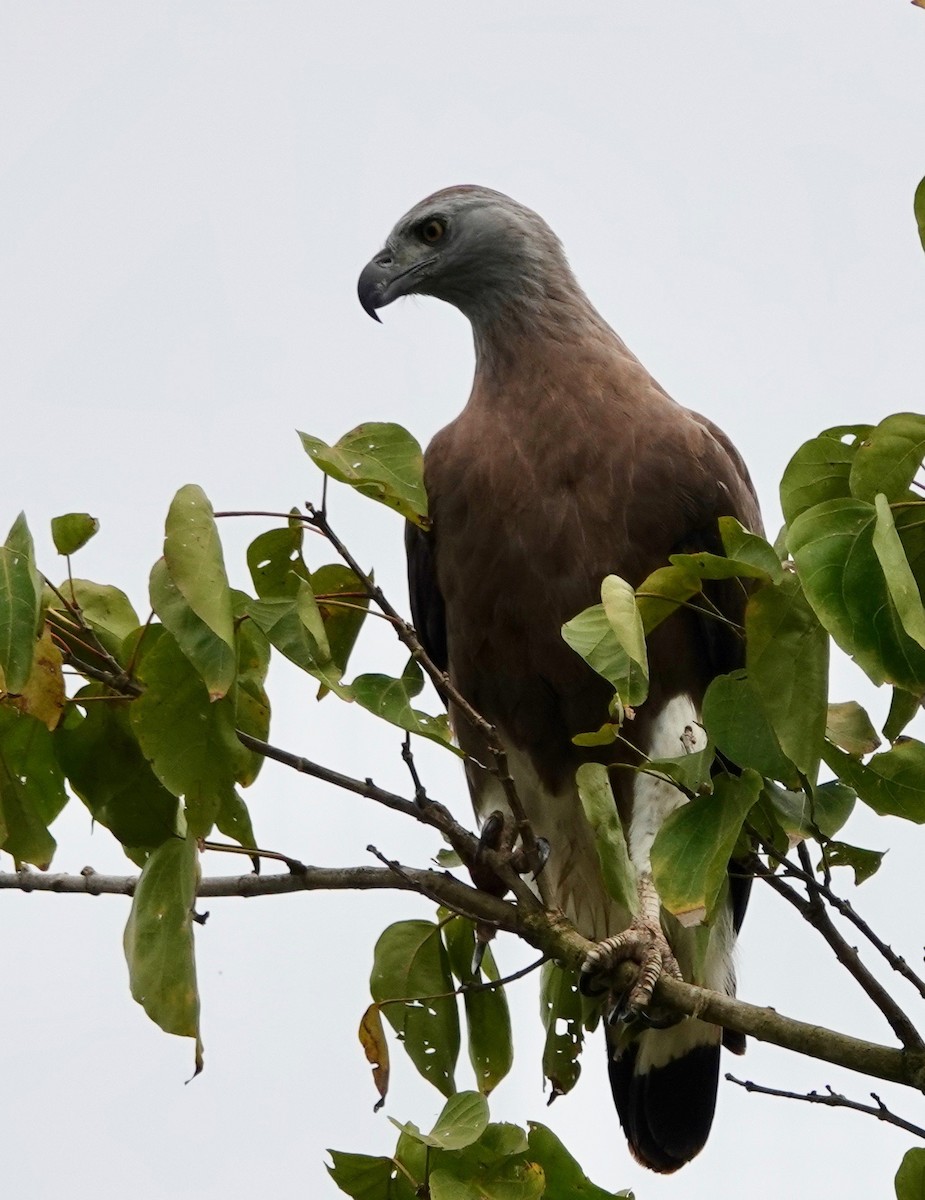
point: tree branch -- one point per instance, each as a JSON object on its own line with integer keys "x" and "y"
{"x": 429, "y": 812}
{"x": 814, "y": 912}
{"x": 548, "y": 932}
{"x": 407, "y": 634}
{"x": 834, "y": 1100}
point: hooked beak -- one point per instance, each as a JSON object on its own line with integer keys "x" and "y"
{"x": 383, "y": 280}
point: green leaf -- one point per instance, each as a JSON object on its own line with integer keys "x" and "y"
{"x": 275, "y": 561}
{"x": 72, "y": 531}
{"x": 611, "y": 640}
{"x": 411, "y": 963}
{"x": 904, "y": 706}
{"x": 462, "y": 1121}
{"x": 832, "y": 545}
{"x": 106, "y": 609}
{"x": 212, "y": 658}
{"x": 600, "y": 809}
{"x": 892, "y": 783}
{"x": 660, "y": 594}
{"x": 736, "y": 723}
{"x": 343, "y": 604}
{"x": 888, "y": 458}
{"x": 691, "y": 772}
{"x": 565, "y": 1179}
{"x": 248, "y": 695}
{"x": 234, "y": 820}
{"x": 787, "y": 661}
{"x": 520, "y": 1180}
{"x": 31, "y": 788}
{"x": 910, "y": 1178}
{"x": 903, "y": 589}
{"x": 691, "y": 851}
{"x": 364, "y": 1177}
{"x": 864, "y": 863}
{"x": 20, "y": 604}
{"x": 746, "y": 547}
{"x": 849, "y": 726}
{"x": 819, "y": 470}
{"x": 562, "y": 1015}
{"x": 488, "y": 1020}
{"x": 158, "y": 940}
{"x": 803, "y": 817}
{"x": 196, "y": 566}
{"x": 390, "y": 699}
{"x": 714, "y": 566}
{"x": 108, "y": 771}
{"x": 189, "y": 740}
{"x": 379, "y": 460}
{"x": 295, "y": 627}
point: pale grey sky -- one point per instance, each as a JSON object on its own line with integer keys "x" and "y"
{"x": 188, "y": 194}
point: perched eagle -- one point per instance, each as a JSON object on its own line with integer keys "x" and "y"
{"x": 570, "y": 463}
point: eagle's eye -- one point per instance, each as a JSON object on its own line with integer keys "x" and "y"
{"x": 432, "y": 231}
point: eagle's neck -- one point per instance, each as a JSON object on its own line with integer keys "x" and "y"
{"x": 538, "y": 331}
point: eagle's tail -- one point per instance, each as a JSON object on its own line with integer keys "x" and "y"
{"x": 664, "y": 1086}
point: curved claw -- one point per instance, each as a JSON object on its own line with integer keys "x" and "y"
{"x": 642, "y": 943}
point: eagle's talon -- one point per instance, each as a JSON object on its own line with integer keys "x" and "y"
{"x": 644, "y": 944}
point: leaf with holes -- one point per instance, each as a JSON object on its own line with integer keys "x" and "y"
{"x": 562, "y": 1015}
{"x": 380, "y": 460}
{"x": 864, "y": 863}
{"x": 462, "y": 1121}
{"x": 488, "y": 1020}
{"x": 410, "y": 965}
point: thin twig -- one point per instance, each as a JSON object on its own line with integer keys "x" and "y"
{"x": 833, "y": 1099}
{"x": 420, "y": 795}
{"x": 317, "y": 517}
{"x": 813, "y": 910}
{"x": 807, "y": 877}
{"x": 432, "y": 813}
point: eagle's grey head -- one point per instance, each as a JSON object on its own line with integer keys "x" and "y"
{"x": 474, "y": 248}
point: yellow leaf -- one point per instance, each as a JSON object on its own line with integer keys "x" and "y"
{"x": 376, "y": 1049}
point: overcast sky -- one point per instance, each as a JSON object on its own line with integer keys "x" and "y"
{"x": 188, "y": 194}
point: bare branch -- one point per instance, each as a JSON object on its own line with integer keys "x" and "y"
{"x": 833, "y": 1099}
{"x": 465, "y": 843}
{"x": 845, "y": 909}
{"x": 813, "y": 910}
